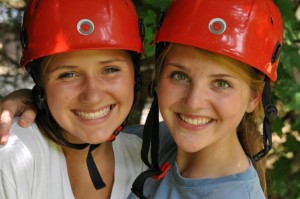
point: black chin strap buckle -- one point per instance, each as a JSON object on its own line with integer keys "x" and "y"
{"x": 271, "y": 113}
{"x": 262, "y": 153}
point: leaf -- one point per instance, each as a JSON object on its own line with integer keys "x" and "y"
{"x": 277, "y": 126}
{"x": 291, "y": 144}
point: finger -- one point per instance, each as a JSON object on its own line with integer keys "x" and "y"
{"x": 6, "y": 119}
{"x": 27, "y": 117}
{"x": 3, "y": 139}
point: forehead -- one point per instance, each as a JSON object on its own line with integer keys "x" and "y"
{"x": 189, "y": 56}
{"x": 93, "y": 54}
{"x": 83, "y": 58}
{"x": 198, "y": 59}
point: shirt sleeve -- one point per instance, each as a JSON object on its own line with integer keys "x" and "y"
{"x": 16, "y": 170}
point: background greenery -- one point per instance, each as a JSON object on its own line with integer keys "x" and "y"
{"x": 284, "y": 160}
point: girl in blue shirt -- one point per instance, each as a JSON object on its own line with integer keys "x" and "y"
{"x": 214, "y": 63}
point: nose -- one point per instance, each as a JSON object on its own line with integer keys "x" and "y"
{"x": 92, "y": 92}
{"x": 197, "y": 96}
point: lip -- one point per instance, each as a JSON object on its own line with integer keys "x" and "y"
{"x": 193, "y": 122}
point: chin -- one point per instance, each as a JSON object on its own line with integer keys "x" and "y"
{"x": 188, "y": 147}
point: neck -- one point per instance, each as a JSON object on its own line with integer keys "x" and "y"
{"x": 224, "y": 158}
{"x": 80, "y": 179}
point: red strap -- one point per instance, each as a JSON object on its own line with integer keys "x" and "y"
{"x": 164, "y": 169}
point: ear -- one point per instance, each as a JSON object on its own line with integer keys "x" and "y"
{"x": 254, "y": 101}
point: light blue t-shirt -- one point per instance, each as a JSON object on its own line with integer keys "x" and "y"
{"x": 244, "y": 185}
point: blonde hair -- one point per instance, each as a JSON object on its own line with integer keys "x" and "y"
{"x": 248, "y": 131}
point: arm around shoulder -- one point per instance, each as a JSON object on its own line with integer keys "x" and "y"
{"x": 17, "y": 103}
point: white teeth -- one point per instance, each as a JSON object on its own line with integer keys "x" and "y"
{"x": 201, "y": 121}
{"x": 94, "y": 115}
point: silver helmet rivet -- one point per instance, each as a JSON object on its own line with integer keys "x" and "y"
{"x": 217, "y": 26}
{"x": 85, "y": 26}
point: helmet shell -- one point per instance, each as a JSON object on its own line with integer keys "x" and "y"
{"x": 56, "y": 26}
{"x": 247, "y": 30}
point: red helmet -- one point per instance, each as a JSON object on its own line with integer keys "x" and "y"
{"x": 247, "y": 30}
{"x": 55, "y": 26}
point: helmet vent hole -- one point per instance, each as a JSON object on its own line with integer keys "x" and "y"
{"x": 272, "y": 22}
{"x": 34, "y": 6}
{"x": 276, "y": 52}
{"x": 127, "y": 2}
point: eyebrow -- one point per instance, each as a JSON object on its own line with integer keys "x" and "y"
{"x": 61, "y": 68}
{"x": 181, "y": 67}
{"x": 221, "y": 75}
{"x": 112, "y": 60}
{"x": 216, "y": 75}
{"x": 73, "y": 66}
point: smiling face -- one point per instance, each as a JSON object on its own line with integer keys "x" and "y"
{"x": 90, "y": 93}
{"x": 201, "y": 101}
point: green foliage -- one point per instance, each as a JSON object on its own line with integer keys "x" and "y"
{"x": 149, "y": 11}
{"x": 285, "y": 172}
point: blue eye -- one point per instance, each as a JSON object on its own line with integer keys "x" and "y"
{"x": 111, "y": 70}
{"x": 222, "y": 84}
{"x": 179, "y": 76}
{"x": 67, "y": 75}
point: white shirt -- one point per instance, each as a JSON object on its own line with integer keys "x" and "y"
{"x": 34, "y": 167}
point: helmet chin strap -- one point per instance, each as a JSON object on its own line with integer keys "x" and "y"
{"x": 92, "y": 167}
{"x": 150, "y": 144}
{"x": 270, "y": 116}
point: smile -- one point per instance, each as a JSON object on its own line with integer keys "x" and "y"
{"x": 193, "y": 121}
{"x": 94, "y": 115}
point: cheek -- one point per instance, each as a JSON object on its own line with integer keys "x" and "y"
{"x": 163, "y": 91}
{"x": 127, "y": 96}
{"x": 126, "y": 86}
{"x": 124, "y": 91}
{"x": 58, "y": 98}
{"x": 232, "y": 108}
{"x": 129, "y": 82}
{"x": 168, "y": 95}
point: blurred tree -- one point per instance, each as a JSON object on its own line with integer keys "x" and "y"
{"x": 10, "y": 20}
{"x": 11, "y": 75}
